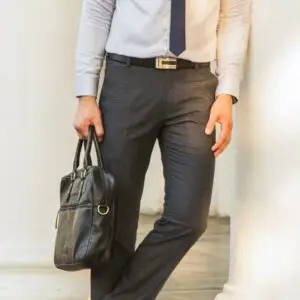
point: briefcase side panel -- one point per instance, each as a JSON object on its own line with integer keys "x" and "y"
{"x": 73, "y": 237}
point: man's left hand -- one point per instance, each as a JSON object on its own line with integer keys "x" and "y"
{"x": 221, "y": 112}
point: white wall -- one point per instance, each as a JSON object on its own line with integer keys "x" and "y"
{"x": 265, "y": 240}
{"x": 36, "y": 112}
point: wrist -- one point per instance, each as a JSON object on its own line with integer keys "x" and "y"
{"x": 87, "y": 99}
{"x": 225, "y": 97}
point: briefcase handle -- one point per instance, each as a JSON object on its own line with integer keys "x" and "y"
{"x": 87, "y": 161}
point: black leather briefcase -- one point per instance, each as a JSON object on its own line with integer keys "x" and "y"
{"x": 85, "y": 220}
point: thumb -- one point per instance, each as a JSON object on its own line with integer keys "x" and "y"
{"x": 210, "y": 124}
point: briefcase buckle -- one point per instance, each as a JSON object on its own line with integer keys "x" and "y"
{"x": 166, "y": 63}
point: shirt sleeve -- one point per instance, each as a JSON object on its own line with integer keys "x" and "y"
{"x": 233, "y": 35}
{"x": 94, "y": 27}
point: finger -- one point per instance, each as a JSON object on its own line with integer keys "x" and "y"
{"x": 80, "y": 136}
{"x": 211, "y": 124}
{"x": 82, "y": 129}
{"x": 223, "y": 137}
{"x": 85, "y": 130}
{"x": 222, "y": 148}
{"x": 221, "y": 140}
{"x": 98, "y": 127}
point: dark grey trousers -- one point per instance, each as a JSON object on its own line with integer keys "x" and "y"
{"x": 139, "y": 106}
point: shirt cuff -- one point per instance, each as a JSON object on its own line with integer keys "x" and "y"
{"x": 87, "y": 85}
{"x": 230, "y": 85}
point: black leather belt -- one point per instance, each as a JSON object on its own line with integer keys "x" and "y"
{"x": 162, "y": 63}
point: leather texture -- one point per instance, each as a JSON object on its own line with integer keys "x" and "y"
{"x": 85, "y": 220}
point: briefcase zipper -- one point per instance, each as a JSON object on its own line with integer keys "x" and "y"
{"x": 74, "y": 206}
{"x": 82, "y": 205}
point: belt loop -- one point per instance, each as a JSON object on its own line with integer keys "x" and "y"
{"x": 196, "y": 66}
{"x": 128, "y": 61}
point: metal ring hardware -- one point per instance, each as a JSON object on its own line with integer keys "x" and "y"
{"x": 83, "y": 174}
{"x": 103, "y": 210}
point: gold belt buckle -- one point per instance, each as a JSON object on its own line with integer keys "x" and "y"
{"x": 166, "y": 63}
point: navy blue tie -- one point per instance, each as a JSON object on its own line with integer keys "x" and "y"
{"x": 177, "y": 32}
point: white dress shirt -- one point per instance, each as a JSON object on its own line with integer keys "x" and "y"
{"x": 216, "y": 30}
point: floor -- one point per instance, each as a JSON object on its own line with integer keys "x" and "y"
{"x": 203, "y": 272}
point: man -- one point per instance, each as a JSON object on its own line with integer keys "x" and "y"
{"x": 158, "y": 85}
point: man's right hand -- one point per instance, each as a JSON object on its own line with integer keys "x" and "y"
{"x": 87, "y": 114}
